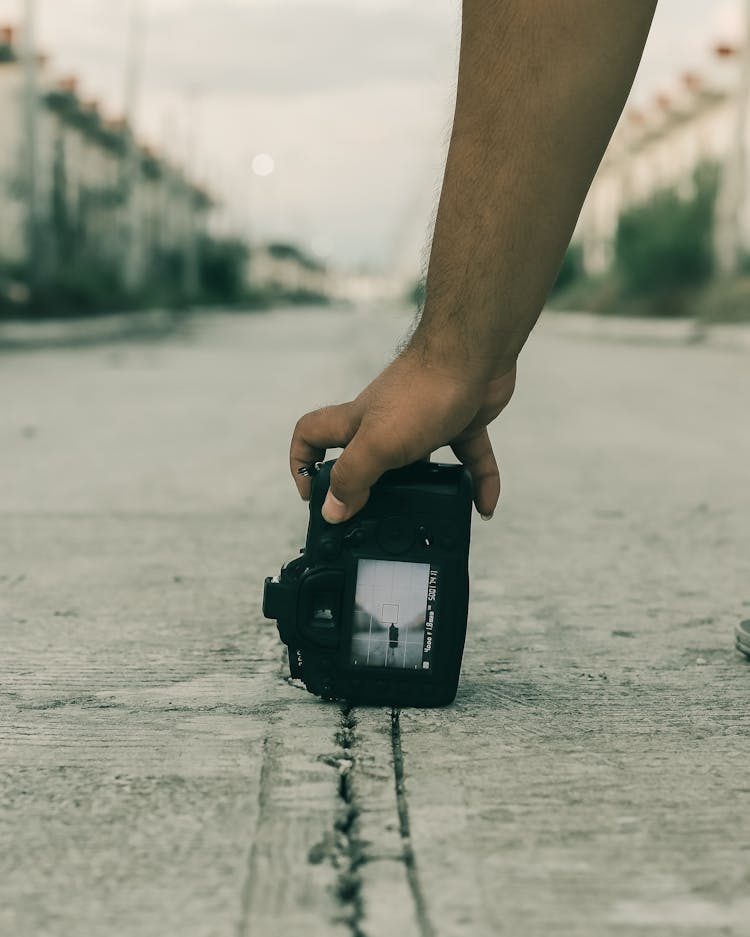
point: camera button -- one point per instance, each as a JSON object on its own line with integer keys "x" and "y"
{"x": 396, "y": 534}
{"x": 329, "y": 547}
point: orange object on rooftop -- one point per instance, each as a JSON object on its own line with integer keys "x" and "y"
{"x": 116, "y": 123}
{"x": 68, "y": 83}
{"x": 692, "y": 81}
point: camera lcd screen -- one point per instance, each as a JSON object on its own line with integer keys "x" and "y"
{"x": 394, "y": 614}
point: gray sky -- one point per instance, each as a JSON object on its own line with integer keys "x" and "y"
{"x": 353, "y": 99}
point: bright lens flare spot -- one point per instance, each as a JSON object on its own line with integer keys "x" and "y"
{"x": 263, "y": 164}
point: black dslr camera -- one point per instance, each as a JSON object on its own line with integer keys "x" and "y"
{"x": 374, "y": 609}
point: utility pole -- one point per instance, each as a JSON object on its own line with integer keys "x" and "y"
{"x": 133, "y": 268}
{"x": 31, "y": 144}
{"x": 733, "y": 197}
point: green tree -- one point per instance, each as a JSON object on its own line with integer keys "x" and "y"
{"x": 571, "y": 268}
{"x": 664, "y": 246}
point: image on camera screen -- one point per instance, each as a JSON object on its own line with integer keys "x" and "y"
{"x": 394, "y": 614}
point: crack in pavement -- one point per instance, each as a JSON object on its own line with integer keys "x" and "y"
{"x": 350, "y": 847}
{"x": 349, "y": 853}
{"x": 344, "y": 847}
{"x": 423, "y": 920}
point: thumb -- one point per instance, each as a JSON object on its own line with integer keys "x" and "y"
{"x": 356, "y": 470}
{"x": 477, "y": 455}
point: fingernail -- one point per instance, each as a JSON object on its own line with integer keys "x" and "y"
{"x": 334, "y": 511}
{"x": 487, "y": 517}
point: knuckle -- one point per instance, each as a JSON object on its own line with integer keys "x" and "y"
{"x": 347, "y": 418}
{"x": 486, "y": 465}
{"x": 489, "y": 473}
{"x": 299, "y": 426}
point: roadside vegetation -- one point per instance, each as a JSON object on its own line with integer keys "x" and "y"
{"x": 84, "y": 285}
{"x": 663, "y": 264}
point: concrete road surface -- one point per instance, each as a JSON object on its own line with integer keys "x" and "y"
{"x": 158, "y": 774}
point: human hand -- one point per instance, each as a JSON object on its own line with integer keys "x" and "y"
{"x": 412, "y": 408}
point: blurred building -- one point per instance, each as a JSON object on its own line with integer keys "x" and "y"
{"x": 104, "y": 202}
{"x": 11, "y": 129}
{"x": 365, "y": 287}
{"x": 659, "y": 147}
{"x": 285, "y": 270}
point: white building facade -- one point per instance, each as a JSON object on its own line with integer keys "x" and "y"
{"x": 102, "y": 199}
{"x": 285, "y": 270}
{"x": 657, "y": 148}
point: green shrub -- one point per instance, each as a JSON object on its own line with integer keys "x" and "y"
{"x": 571, "y": 269}
{"x": 221, "y": 269}
{"x": 79, "y": 289}
{"x": 416, "y": 293}
{"x": 664, "y": 246}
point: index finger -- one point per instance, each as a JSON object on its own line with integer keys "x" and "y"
{"x": 327, "y": 428}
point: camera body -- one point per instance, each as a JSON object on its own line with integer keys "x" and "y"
{"x": 374, "y": 610}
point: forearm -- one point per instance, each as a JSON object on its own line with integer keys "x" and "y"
{"x": 541, "y": 86}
